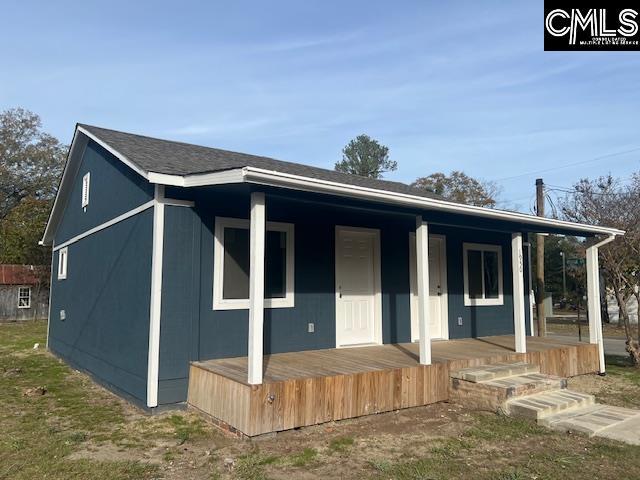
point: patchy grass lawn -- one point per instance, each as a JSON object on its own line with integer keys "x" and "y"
{"x": 79, "y": 430}
{"x": 620, "y": 387}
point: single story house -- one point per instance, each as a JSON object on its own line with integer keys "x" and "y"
{"x": 166, "y": 254}
{"x": 22, "y": 293}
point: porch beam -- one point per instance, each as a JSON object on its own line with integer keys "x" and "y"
{"x": 518, "y": 293}
{"x": 256, "y": 287}
{"x": 422, "y": 259}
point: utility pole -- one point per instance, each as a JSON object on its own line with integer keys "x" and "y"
{"x": 564, "y": 275}
{"x": 542, "y": 327}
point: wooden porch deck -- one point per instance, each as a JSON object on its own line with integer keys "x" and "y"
{"x": 306, "y": 388}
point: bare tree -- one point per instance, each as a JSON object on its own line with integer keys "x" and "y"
{"x": 460, "y": 187}
{"x": 606, "y": 201}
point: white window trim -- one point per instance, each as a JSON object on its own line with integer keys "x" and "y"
{"x": 480, "y": 302}
{"x": 220, "y": 303}
{"x": 29, "y": 297}
{"x": 63, "y": 253}
{"x": 86, "y": 185}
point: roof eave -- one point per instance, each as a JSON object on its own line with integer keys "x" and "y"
{"x": 296, "y": 182}
{"x": 278, "y": 179}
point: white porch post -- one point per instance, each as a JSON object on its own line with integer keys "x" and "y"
{"x": 518, "y": 293}
{"x": 593, "y": 302}
{"x": 256, "y": 286}
{"x": 422, "y": 259}
{"x": 153, "y": 356}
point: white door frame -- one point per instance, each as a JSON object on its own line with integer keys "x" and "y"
{"x": 444, "y": 296}
{"x": 377, "y": 283}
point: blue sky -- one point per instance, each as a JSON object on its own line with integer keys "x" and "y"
{"x": 446, "y": 85}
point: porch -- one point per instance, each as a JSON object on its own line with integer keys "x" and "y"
{"x": 312, "y": 387}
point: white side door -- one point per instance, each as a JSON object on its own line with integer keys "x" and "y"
{"x": 358, "y": 311}
{"x": 438, "y": 309}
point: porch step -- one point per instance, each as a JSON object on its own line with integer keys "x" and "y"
{"x": 527, "y": 384}
{"x": 496, "y": 371}
{"x": 492, "y": 394}
{"x": 542, "y": 405}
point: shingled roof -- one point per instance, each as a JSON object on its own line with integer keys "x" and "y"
{"x": 165, "y": 162}
{"x": 177, "y": 158}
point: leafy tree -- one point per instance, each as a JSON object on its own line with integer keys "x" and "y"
{"x": 606, "y": 201}
{"x": 20, "y": 232}
{"x": 366, "y": 157}
{"x": 460, "y": 187}
{"x": 31, "y": 163}
{"x": 30, "y": 160}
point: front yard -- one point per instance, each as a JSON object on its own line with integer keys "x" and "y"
{"x": 57, "y": 424}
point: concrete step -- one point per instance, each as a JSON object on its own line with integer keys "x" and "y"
{"x": 601, "y": 420}
{"x": 496, "y": 371}
{"x": 527, "y": 384}
{"x": 491, "y": 395}
{"x": 542, "y": 405}
{"x": 627, "y": 431}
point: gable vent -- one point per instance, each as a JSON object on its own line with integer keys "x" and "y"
{"x": 86, "y": 180}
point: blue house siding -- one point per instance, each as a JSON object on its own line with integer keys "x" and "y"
{"x": 477, "y": 321}
{"x": 179, "y": 324}
{"x": 115, "y": 189}
{"x": 223, "y": 333}
{"x": 106, "y": 294}
{"x": 106, "y": 298}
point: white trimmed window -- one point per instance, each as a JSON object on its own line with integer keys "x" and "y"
{"x": 482, "y": 274}
{"x": 62, "y": 263}
{"x": 86, "y": 183}
{"x": 24, "y": 297}
{"x": 231, "y": 265}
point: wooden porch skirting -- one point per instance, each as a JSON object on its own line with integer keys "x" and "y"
{"x": 307, "y": 388}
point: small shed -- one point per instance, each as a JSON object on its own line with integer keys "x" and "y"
{"x": 23, "y": 294}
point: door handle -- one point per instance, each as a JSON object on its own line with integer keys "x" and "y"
{"x": 339, "y": 291}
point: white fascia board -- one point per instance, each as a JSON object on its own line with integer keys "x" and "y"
{"x": 78, "y": 145}
{"x": 165, "y": 179}
{"x": 114, "y": 152}
{"x": 235, "y": 175}
{"x": 278, "y": 179}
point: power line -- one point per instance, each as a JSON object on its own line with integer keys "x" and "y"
{"x": 573, "y": 191}
{"x": 582, "y": 162}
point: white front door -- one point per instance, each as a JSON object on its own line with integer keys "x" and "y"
{"x": 438, "y": 310}
{"x": 358, "y": 303}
